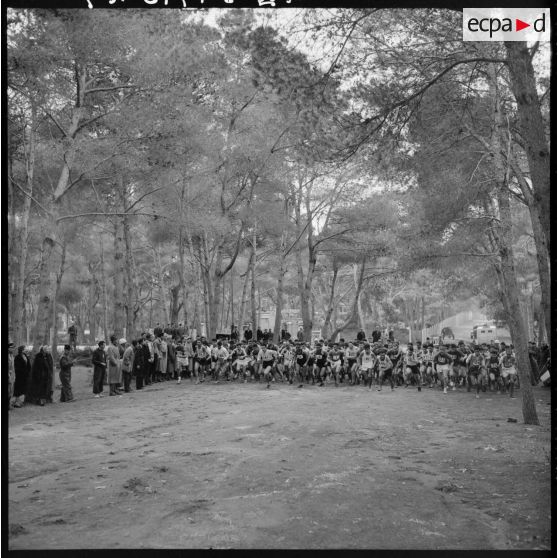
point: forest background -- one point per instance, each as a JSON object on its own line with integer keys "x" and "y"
{"x": 361, "y": 166}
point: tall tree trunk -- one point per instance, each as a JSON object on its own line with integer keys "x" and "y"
{"x": 41, "y": 334}
{"x": 163, "y": 306}
{"x": 131, "y": 291}
{"x": 104, "y": 293}
{"x": 59, "y": 276}
{"x": 504, "y": 238}
{"x": 174, "y": 304}
{"x": 231, "y": 291}
{"x": 326, "y": 328}
{"x": 253, "y": 304}
{"x": 119, "y": 311}
{"x": 353, "y": 314}
{"x": 91, "y": 303}
{"x": 515, "y": 321}
{"x": 17, "y": 311}
{"x": 52, "y": 205}
{"x": 532, "y": 125}
{"x": 358, "y": 302}
{"x": 242, "y": 311}
{"x": 279, "y": 306}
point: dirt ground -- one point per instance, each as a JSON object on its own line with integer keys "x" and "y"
{"x": 239, "y": 466}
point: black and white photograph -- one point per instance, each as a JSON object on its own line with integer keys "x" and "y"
{"x": 307, "y": 250}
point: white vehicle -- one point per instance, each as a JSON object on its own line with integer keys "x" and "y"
{"x": 483, "y": 333}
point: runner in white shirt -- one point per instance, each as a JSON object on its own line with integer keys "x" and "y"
{"x": 288, "y": 354}
{"x": 366, "y": 362}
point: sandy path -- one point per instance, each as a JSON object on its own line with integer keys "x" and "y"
{"x": 239, "y": 466}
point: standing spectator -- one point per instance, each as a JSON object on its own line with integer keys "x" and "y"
{"x": 300, "y": 334}
{"x": 72, "y": 333}
{"x": 139, "y": 361}
{"x": 114, "y": 371}
{"x": 66, "y": 363}
{"x": 390, "y": 334}
{"x": 234, "y": 333}
{"x": 22, "y": 366}
{"x": 127, "y": 364}
{"x": 99, "y": 361}
{"x": 376, "y": 335}
{"x": 248, "y": 334}
{"x": 40, "y": 386}
{"x": 162, "y": 360}
{"x": 171, "y": 359}
{"x": 259, "y": 335}
{"x": 188, "y": 350}
{"x": 361, "y": 336}
{"x": 158, "y": 330}
{"x": 151, "y": 360}
{"x": 11, "y": 374}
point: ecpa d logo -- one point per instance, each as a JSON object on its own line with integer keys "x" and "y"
{"x": 506, "y": 24}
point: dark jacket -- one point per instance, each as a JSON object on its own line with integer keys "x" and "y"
{"x": 98, "y": 358}
{"x": 22, "y": 366}
{"x": 139, "y": 362}
{"x": 40, "y": 384}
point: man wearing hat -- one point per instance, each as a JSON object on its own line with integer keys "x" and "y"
{"x": 114, "y": 371}
{"x": 127, "y": 364}
{"x": 11, "y": 374}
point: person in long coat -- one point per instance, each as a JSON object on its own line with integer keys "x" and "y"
{"x": 148, "y": 360}
{"x": 127, "y": 364}
{"x": 22, "y": 366}
{"x": 171, "y": 359}
{"x": 138, "y": 362}
{"x": 114, "y": 371}
{"x": 162, "y": 362}
{"x": 39, "y": 389}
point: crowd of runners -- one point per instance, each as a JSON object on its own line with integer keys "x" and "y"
{"x": 477, "y": 368}
{"x": 375, "y": 365}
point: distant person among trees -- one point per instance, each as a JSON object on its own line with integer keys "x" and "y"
{"x": 300, "y": 335}
{"x": 361, "y": 336}
{"x": 72, "y": 333}
{"x": 234, "y": 333}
